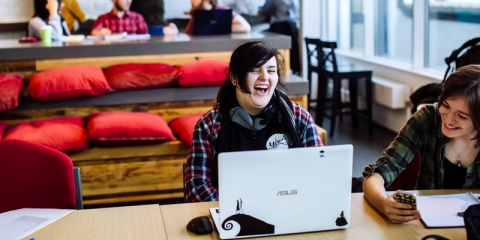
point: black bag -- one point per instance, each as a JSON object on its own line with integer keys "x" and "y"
{"x": 471, "y": 217}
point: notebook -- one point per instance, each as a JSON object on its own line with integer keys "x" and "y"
{"x": 273, "y": 192}
{"x": 212, "y": 22}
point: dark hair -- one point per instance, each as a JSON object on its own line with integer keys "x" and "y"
{"x": 214, "y": 2}
{"x": 465, "y": 81}
{"x": 246, "y": 57}
{"x": 40, "y": 9}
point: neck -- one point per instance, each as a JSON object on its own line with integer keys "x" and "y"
{"x": 119, "y": 13}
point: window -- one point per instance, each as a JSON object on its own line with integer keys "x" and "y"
{"x": 393, "y": 30}
{"x": 357, "y": 31}
{"x": 450, "y": 24}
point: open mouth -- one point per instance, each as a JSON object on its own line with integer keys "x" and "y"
{"x": 261, "y": 88}
{"x": 450, "y": 128}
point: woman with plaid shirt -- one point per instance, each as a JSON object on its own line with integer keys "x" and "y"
{"x": 446, "y": 134}
{"x": 250, "y": 114}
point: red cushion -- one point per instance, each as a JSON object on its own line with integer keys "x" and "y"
{"x": 203, "y": 73}
{"x": 3, "y": 127}
{"x": 109, "y": 129}
{"x": 141, "y": 75}
{"x": 183, "y": 127}
{"x": 68, "y": 82}
{"x": 66, "y": 134}
{"x": 11, "y": 86}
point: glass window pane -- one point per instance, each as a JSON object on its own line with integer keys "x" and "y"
{"x": 393, "y": 30}
{"x": 357, "y": 38}
{"x": 450, "y": 24}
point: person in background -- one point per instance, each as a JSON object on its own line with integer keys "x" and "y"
{"x": 250, "y": 114}
{"x": 47, "y": 12}
{"x": 75, "y": 18}
{"x": 119, "y": 20}
{"x": 239, "y": 24}
{"x": 284, "y": 17}
{"x": 446, "y": 134}
{"x": 153, "y": 12}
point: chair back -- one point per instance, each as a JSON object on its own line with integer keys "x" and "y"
{"x": 468, "y": 53}
{"x": 321, "y": 55}
{"x": 34, "y": 176}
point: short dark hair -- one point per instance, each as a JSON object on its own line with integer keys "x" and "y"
{"x": 246, "y": 57}
{"x": 214, "y": 2}
{"x": 40, "y": 9}
{"x": 465, "y": 81}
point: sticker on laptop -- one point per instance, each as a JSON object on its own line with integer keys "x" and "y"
{"x": 245, "y": 224}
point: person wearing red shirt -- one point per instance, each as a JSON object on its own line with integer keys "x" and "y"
{"x": 119, "y": 20}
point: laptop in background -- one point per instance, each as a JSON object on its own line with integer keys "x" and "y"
{"x": 212, "y": 22}
{"x": 272, "y": 192}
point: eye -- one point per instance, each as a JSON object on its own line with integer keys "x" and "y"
{"x": 254, "y": 70}
{"x": 462, "y": 117}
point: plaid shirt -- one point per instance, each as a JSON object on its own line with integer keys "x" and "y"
{"x": 131, "y": 22}
{"x": 201, "y": 156}
{"x": 423, "y": 132}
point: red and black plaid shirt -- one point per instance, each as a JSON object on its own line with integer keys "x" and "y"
{"x": 131, "y": 22}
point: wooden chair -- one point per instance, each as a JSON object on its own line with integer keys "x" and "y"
{"x": 322, "y": 60}
{"x": 36, "y": 176}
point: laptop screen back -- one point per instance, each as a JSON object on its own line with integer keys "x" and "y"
{"x": 272, "y": 192}
{"x": 212, "y": 22}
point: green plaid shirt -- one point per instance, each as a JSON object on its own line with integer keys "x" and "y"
{"x": 423, "y": 132}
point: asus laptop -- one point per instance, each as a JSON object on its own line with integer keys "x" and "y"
{"x": 212, "y": 22}
{"x": 272, "y": 192}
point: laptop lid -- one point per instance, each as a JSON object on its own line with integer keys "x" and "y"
{"x": 212, "y": 22}
{"x": 271, "y": 192}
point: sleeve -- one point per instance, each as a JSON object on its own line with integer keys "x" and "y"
{"x": 200, "y": 160}
{"x": 268, "y": 8}
{"x": 35, "y": 27}
{"x": 401, "y": 151}
{"x": 76, "y": 11}
{"x": 306, "y": 127}
{"x": 99, "y": 23}
{"x": 142, "y": 25}
{"x": 55, "y": 22}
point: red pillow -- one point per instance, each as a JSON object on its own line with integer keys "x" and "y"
{"x": 11, "y": 87}
{"x": 203, "y": 73}
{"x": 141, "y": 75}
{"x": 111, "y": 129}
{"x": 3, "y": 127}
{"x": 183, "y": 127}
{"x": 68, "y": 82}
{"x": 66, "y": 134}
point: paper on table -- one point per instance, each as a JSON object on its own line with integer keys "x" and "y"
{"x": 19, "y": 223}
{"x": 441, "y": 210}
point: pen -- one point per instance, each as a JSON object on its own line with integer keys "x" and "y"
{"x": 476, "y": 199}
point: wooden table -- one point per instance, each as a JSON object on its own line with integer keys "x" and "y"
{"x": 366, "y": 223}
{"x": 136, "y": 222}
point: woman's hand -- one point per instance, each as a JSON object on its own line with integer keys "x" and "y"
{"x": 52, "y": 7}
{"x": 398, "y": 212}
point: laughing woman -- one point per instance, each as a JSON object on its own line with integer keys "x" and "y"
{"x": 249, "y": 112}
{"x": 446, "y": 134}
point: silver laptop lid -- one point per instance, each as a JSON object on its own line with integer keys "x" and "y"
{"x": 270, "y": 192}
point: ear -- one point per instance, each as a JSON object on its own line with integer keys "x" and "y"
{"x": 233, "y": 80}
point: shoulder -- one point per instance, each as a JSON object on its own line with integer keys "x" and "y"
{"x": 299, "y": 111}
{"x": 134, "y": 14}
{"x": 103, "y": 16}
{"x": 211, "y": 117}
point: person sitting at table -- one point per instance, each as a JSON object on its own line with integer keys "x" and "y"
{"x": 249, "y": 112}
{"x": 75, "y": 18}
{"x": 47, "y": 12}
{"x": 446, "y": 134}
{"x": 239, "y": 24}
{"x": 153, "y": 12}
{"x": 119, "y": 20}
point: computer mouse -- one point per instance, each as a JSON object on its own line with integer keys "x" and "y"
{"x": 200, "y": 225}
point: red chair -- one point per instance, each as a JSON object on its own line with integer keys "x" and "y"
{"x": 407, "y": 179}
{"x": 35, "y": 176}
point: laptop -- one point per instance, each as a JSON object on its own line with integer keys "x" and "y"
{"x": 274, "y": 192}
{"x": 212, "y": 22}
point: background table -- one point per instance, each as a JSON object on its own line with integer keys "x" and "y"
{"x": 136, "y": 222}
{"x": 366, "y": 223}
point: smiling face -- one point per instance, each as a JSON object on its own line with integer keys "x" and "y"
{"x": 262, "y": 82}
{"x": 456, "y": 119}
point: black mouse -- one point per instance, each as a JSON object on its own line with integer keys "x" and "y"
{"x": 200, "y": 225}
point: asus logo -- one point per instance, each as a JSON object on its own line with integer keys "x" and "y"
{"x": 282, "y": 193}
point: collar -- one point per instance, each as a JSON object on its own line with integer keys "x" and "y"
{"x": 112, "y": 14}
